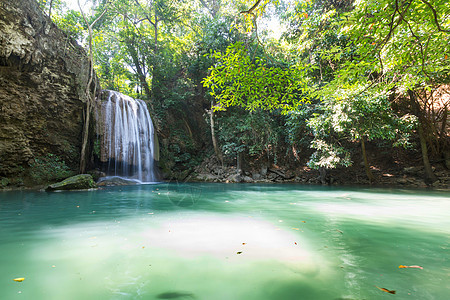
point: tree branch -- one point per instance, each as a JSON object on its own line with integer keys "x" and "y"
{"x": 210, "y": 9}
{"x": 422, "y": 52}
{"x": 146, "y": 15}
{"x": 250, "y": 11}
{"x": 392, "y": 28}
{"x": 50, "y": 9}
{"x": 435, "y": 17}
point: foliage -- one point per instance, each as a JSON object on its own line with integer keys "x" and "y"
{"x": 355, "y": 116}
{"x": 239, "y": 80}
{"x": 399, "y": 43}
{"x": 253, "y": 133}
{"x": 49, "y": 168}
{"x": 296, "y": 131}
{"x": 4, "y": 182}
{"x": 70, "y": 23}
{"x": 315, "y": 36}
{"x": 395, "y": 47}
{"x": 56, "y": 5}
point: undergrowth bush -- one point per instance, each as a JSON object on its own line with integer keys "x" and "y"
{"x": 49, "y": 168}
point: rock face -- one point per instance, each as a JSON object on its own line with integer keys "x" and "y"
{"x": 77, "y": 182}
{"x": 43, "y": 77}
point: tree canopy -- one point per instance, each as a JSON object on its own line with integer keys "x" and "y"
{"x": 341, "y": 72}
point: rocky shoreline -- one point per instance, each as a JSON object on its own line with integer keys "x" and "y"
{"x": 210, "y": 170}
{"x": 411, "y": 177}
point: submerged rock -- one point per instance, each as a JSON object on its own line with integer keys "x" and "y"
{"x": 116, "y": 181}
{"x": 77, "y": 182}
{"x": 175, "y": 295}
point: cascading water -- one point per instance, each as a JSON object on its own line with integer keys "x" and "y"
{"x": 127, "y": 146}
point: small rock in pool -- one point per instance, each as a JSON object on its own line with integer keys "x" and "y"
{"x": 175, "y": 295}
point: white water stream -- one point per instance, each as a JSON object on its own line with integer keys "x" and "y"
{"x": 128, "y": 138}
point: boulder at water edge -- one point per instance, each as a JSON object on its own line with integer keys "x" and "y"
{"x": 77, "y": 182}
{"x": 115, "y": 181}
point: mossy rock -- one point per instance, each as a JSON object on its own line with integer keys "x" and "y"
{"x": 77, "y": 182}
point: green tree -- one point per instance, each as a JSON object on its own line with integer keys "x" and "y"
{"x": 359, "y": 116}
{"x": 237, "y": 79}
{"x": 401, "y": 47}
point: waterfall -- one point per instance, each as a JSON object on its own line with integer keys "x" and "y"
{"x": 127, "y": 145}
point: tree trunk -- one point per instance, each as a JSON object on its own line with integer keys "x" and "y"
{"x": 84, "y": 143}
{"x": 139, "y": 70}
{"x": 50, "y": 10}
{"x": 323, "y": 175}
{"x": 212, "y": 7}
{"x": 156, "y": 30}
{"x": 429, "y": 175}
{"x": 143, "y": 83}
{"x": 366, "y": 162}
{"x": 239, "y": 163}
{"x": 213, "y": 136}
{"x": 89, "y": 97}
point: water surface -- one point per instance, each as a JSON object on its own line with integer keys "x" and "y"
{"x": 230, "y": 242}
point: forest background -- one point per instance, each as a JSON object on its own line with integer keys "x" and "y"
{"x": 316, "y": 91}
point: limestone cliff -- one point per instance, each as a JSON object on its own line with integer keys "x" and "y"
{"x": 43, "y": 76}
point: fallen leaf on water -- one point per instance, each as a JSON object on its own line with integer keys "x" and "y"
{"x": 20, "y": 279}
{"x": 304, "y": 221}
{"x": 295, "y": 243}
{"x": 244, "y": 243}
{"x": 296, "y": 228}
{"x": 414, "y": 267}
{"x": 386, "y": 290}
{"x": 239, "y": 252}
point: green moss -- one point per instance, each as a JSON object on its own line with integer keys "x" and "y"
{"x": 49, "y": 168}
{"x": 77, "y": 182}
{"x": 4, "y": 182}
{"x": 97, "y": 148}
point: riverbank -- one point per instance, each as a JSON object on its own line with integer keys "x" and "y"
{"x": 394, "y": 176}
{"x": 210, "y": 170}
